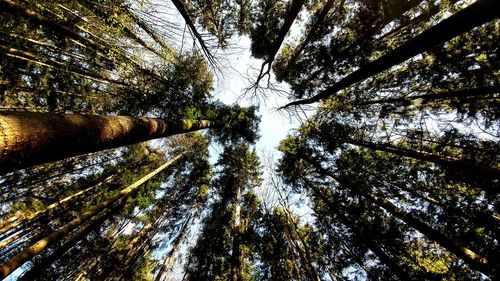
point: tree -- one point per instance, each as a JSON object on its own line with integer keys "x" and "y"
{"x": 228, "y": 254}
{"x": 44, "y": 133}
{"x": 447, "y": 29}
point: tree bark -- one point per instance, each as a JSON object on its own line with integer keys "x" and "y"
{"x": 31, "y": 138}
{"x": 47, "y": 241}
{"x": 476, "y": 14}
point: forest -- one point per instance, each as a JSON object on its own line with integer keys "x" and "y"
{"x": 120, "y": 159}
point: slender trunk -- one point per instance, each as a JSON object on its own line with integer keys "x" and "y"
{"x": 476, "y": 14}
{"x": 429, "y": 157}
{"x": 313, "y": 31}
{"x": 304, "y": 252}
{"x": 114, "y": 22}
{"x": 291, "y": 15}
{"x": 103, "y": 49}
{"x": 57, "y": 235}
{"x": 474, "y": 260}
{"x": 487, "y": 220}
{"x": 185, "y": 15}
{"x": 144, "y": 26}
{"x": 236, "y": 252}
{"x": 41, "y": 266}
{"x": 20, "y": 219}
{"x": 168, "y": 261}
{"x": 62, "y": 66}
{"x": 397, "y": 269}
{"x": 464, "y": 93}
{"x": 30, "y": 138}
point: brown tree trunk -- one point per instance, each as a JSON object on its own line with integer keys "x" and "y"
{"x": 47, "y": 241}
{"x": 476, "y": 14}
{"x": 31, "y": 138}
{"x": 20, "y": 219}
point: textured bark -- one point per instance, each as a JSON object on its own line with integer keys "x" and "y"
{"x": 30, "y": 138}
{"x": 476, "y": 14}
{"x": 47, "y": 241}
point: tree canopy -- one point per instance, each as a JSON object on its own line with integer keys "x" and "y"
{"x": 118, "y": 161}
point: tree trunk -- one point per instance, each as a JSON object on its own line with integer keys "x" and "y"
{"x": 312, "y": 32}
{"x": 31, "y": 138}
{"x": 185, "y": 15}
{"x": 39, "y": 267}
{"x": 463, "y": 93}
{"x": 47, "y": 241}
{"x": 168, "y": 261}
{"x": 475, "y": 261}
{"x": 20, "y": 219}
{"x": 476, "y": 14}
{"x": 369, "y": 243}
{"x": 290, "y": 17}
{"x": 429, "y": 157}
{"x": 472, "y": 259}
{"x": 236, "y": 252}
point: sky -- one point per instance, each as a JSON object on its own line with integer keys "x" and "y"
{"x": 274, "y": 125}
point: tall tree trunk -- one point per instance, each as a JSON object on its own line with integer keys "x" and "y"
{"x": 291, "y": 15}
{"x": 434, "y": 96}
{"x": 185, "y": 15}
{"x": 20, "y": 219}
{"x": 47, "y": 241}
{"x": 116, "y": 23}
{"x": 476, "y": 14}
{"x": 168, "y": 261}
{"x": 429, "y": 157}
{"x": 39, "y": 267}
{"x": 142, "y": 24}
{"x": 30, "y": 138}
{"x": 371, "y": 245}
{"x": 313, "y": 31}
{"x": 474, "y": 260}
{"x": 236, "y": 252}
